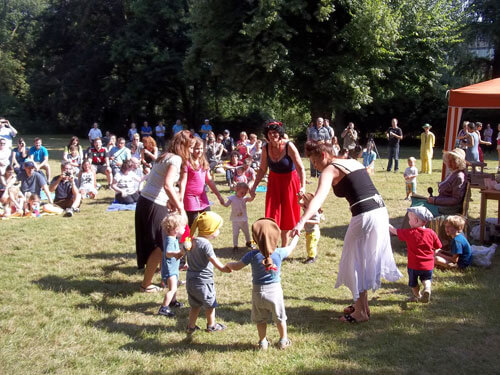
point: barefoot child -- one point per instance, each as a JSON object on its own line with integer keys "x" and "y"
{"x": 311, "y": 227}
{"x": 200, "y": 274}
{"x": 410, "y": 176}
{"x": 239, "y": 218}
{"x": 173, "y": 225}
{"x": 421, "y": 242}
{"x": 460, "y": 255}
{"x": 267, "y": 294}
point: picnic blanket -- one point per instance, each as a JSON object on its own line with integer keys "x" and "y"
{"x": 261, "y": 189}
{"x": 121, "y": 207}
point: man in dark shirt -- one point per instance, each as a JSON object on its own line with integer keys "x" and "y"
{"x": 394, "y": 135}
{"x": 228, "y": 144}
{"x": 65, "y": 187}
{"x": 32, "y": 182}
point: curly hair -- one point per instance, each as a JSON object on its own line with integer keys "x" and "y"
{"x": 273, "y": 125}
{"x": 456, "y": 221}
{"x": 172, "y": 222}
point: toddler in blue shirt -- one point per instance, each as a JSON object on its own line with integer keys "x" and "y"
{"x": 267, "y": 295}
{"x": 460, "y": 255}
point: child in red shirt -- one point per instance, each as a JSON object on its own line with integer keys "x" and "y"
{"x": 421, "y": 243}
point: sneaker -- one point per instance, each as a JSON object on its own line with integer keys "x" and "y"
{"x": 217, "y": 327}
{"x": 426, "y": 296}
{"x": 264, "y": 344}
{"x": 250, "y": 245}
{"x": 76, "y": 210}
{"x": 284, "y": 343}
{"x": 176, "y": 304}
{"x": 68, "y": 212}
{"x": 310, "y": 260}
{"x": 190, "y": 331}
{"x": 165, "y": 311}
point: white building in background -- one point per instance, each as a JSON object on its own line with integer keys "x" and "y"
{"x": 482, "y": 47}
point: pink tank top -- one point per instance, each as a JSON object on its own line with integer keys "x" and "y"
{"x": 195, "y": 197}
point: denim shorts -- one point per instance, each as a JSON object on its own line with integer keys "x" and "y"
{"x": 413, "y": 276}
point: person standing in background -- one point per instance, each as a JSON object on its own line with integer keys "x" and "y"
{"x": 160, "y": 134}
{"x": 488, "y": 135}
{"x": 7, "y": 131}
{"x": 177, "y": 127}
{"x": 146, "y": 130}
{"x": 94, "y": 133}
{"x": 350, "y": 136}
{"x": 394, "y": 134}
{"x": 205, "y": 128}
{"x": 427, "y": 141}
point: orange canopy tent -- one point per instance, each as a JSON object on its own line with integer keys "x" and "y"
{"x": 484, "y": 95}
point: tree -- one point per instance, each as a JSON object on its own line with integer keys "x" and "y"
{"x": 330, "y": 55}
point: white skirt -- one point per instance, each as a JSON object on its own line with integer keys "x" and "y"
{"x": 367, "y": 253}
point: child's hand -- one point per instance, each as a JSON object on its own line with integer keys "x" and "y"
{"x": 226, "y": 269}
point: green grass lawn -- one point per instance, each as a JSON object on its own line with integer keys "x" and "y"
{"x": 70, "y": 301}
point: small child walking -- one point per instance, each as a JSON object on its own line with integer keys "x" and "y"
{"x": 239, "y": 217}
{"x": 311, "y": 228}
{"x": 173, "y": 226}
{"x": 460, "y": 255}
{"x": 410, "y": 176}
{"x": 422, "y": 242}
{"x": 267, "y": 294}
{"x": 200, "y": 284}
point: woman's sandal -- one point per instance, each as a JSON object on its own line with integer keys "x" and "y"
{"x": 350, "y": 309}
{"x": 150, "y": 289}
{"x": 348, "y": 318}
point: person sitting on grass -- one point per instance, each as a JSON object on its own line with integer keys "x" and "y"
{"x": 459, "y": 256}
{"x": 88, "y": 181}
{"x": 200, "y": 274}
{"x": 267, "y": 295}
{"x": 40, "y": 156}
{"x": 66, "y": 191}
{"x": 231, "y": 166}
{"x": 32, "y": 181}
{"x": 10, "y": 196}
{"x": 174, "y": 226}
{"x": 422, "y": 242}
{"x": 98, "y": 156}
{"x": 126, "y": 184}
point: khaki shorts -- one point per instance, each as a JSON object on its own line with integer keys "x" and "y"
{"x": 268, "y": 300}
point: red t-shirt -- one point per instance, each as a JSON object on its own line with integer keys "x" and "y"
{"x": 421, "y": 244}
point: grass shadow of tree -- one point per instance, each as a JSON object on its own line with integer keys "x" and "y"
{"x": 110, "y": 287}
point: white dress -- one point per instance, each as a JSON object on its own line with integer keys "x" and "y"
{"x": 367, "y": 252}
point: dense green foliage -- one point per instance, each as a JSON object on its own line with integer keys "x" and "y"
{"x": 66, "y": 64}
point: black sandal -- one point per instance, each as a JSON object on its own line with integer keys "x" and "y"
{"x": 348, "y": 318}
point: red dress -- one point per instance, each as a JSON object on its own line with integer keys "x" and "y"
{"x": 283, "y": 185}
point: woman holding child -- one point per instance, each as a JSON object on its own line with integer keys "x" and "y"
{"x": 367, "y": 253}
{"x": 158, "y": 198}
{"x": 286, "y": 178}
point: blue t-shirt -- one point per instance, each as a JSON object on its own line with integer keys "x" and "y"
{"x": 40, "y": 154}
{"x": 460, "y": 246}
{"x": 170, "y": 266}
{"x": 259, "y": 274}
{"x": 177, "y": 128}
{"x": 207, "y": 128}
{"x": 146, "y": 129}
{"x": 368, "y": 157}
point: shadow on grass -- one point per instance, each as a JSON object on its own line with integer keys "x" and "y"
{"x": 110, "y": 287}
{"x": 105, "y": 255}
{"x": 229, "y": 253}
{"x": 153, "y": 346}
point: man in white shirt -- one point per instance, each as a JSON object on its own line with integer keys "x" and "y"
{"x": 94, "y": 133}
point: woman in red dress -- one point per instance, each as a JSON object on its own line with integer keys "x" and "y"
{"x": 286, "y": 178}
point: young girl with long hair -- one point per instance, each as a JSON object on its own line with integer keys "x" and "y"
{"x": 195, "y": 175}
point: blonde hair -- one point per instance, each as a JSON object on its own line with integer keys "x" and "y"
{"x": 456, "y": 221}
{"x": 305, "y": 199}
{"x": 460, "y": 163}
{"x": 412, "y": 159}
{"x": 172, "y": 222}
{"x": 242, "y": 185}
{"x": 202, "y": 161}
{"x": 179, "y": 145}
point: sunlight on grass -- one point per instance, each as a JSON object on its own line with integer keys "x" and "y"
{"x": 70, "y": 302}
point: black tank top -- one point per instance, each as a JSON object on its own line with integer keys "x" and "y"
{"x": 284, "y": 165}
{"x": 356, "y": 186}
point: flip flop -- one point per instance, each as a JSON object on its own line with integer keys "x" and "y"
{"x": 348, "y": 318}
{"x": 150, "y": 289}
{"x": 350, "y": 309}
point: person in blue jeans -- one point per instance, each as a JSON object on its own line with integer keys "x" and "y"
{"x": 394, "y": 134}
{"x": 459, "y": 256}
{"x": 267, "y": 294}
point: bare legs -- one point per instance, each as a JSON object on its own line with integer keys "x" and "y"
{"x": 361, "y": 311}
{"x": 284, "y": 238}
{"x": 262, "y": 329}
{"x": 151, "y": 266}
{"x": 172, "y": 290}
{"x": 195, "y": 311}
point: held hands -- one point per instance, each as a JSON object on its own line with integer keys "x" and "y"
{"x": 226, "y": 269}
{"x": 297, "y": 229}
